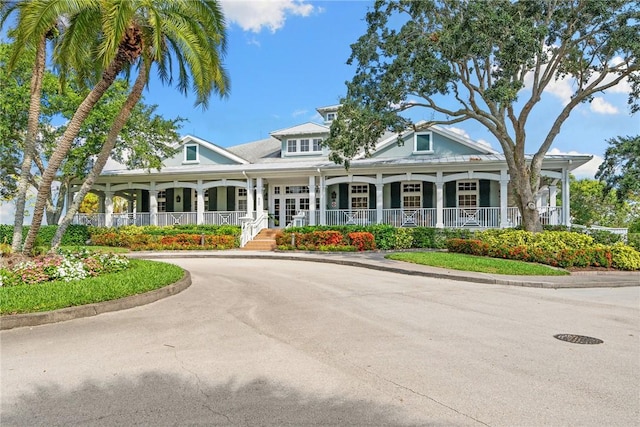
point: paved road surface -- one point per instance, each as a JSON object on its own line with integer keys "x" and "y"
{"x": 271, "y": 342}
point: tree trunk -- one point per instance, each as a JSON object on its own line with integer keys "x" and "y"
{"x": 70, "y": 134}
{"x": 29, "y": 142}
{"x": 103, "y": 156}
{"x": 525, "y": 197}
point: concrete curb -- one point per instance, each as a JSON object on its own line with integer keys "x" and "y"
{"x": 34, "y": 319}
{"x": 373, "y": 265}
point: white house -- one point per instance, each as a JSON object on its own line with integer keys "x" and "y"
{"x": 435, "y": 178}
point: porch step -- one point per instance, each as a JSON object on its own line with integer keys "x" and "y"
{"x": 264, "y": 241}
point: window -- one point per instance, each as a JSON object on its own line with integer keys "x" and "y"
{"x": 422, "y": 143}
{"x": 276, "y": 190}
{"x": 331, "y": 117}
{"x": 467, "y": 194}
{"x": 241, "y": 199}
{"x": 161, "y": 198}
{"x": 191, "y": 153}
{"x": 411, "y": 195}
{"x": 359, "y": 196}
{"x": 296, "y": 189}
{"x": 304, "y": 146}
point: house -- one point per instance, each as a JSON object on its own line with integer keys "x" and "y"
{"x": 433, "y": 178}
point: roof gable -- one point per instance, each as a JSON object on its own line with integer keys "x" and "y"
{"x": 308, "y": 128}
{"x": 445, "y": 143}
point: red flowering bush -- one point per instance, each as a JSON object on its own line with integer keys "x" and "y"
{"x": 363, "y": 241}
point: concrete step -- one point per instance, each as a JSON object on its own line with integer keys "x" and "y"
{"x": 264, "y": 241}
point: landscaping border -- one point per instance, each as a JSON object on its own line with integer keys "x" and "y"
{"x": 11, "y": 321}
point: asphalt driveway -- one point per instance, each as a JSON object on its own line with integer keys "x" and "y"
{"x": 273, "y": 342}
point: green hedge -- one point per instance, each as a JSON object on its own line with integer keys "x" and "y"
{"x": 74, "y": 235}
{"x": 387, "y": 236}
{"x": 556, "y": 248}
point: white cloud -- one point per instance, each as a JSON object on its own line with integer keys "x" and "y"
{"x": 299, "y": 113}
{"x": 564, "y": 88}
{"x": 458, "y": 131}
{"x": 463, "y": 133}
{"x": 7, "y": 213}
{"x": 254, "y": 15}
{"x": 588, "y": 170}
{"x": 600, "y": 106}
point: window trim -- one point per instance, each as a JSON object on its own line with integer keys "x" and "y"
{"x": 404, "y": 193}
{"x": 197, "y": 159}
{"x": 296, "y": 144}
{"x": 475, "y": 193}
{"x": 415, "y": 143}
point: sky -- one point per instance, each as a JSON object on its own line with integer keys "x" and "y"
{"x": 285, "y": 58}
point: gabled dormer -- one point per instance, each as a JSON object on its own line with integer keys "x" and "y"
{"x": 302, "y": 140}
{"x": 194, "y": 151}
{"x": 329, "y": 113}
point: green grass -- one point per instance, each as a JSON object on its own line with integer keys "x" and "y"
{"x": 465, "y": 262}
{"x": 110, "y": 249}
{"x": 142, "y": 276}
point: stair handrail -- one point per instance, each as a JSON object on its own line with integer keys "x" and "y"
{"x": 251, "y": 227}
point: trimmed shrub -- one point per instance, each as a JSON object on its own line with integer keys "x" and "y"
{"x": 625, "y": 257}
{"x": 363, "y": 241}
{"x": 74, "y": 235}
{"x": 403, "y": 238}
{"x": 467, "y": 246}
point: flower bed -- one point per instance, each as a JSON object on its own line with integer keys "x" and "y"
{"x": 168, "y": 238}
{"x": 64, "y": 265}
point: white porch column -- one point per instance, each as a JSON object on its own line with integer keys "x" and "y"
{"x": 153, "y": 206}
{"x": 250, "y": 197}
{"x": 323, "y": 201}
{"x": 439, "y": 201}
{"x": 108, "y": 208}
{"x": 553, "y": 193}
{"x": 259, "y": 195}
{"x": 504, "y": 201}
{"x": 312, "y": 200}
{"x": 379, "y": 199}
{"x": 566, "y": 214}
{"x": 199, "y": 203}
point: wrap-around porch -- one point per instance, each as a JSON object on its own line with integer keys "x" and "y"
{"x": 440, "y": 200}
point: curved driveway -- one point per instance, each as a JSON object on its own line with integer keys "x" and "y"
{"x": 272, "y": 342}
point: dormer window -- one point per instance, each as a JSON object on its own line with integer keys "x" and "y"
{"x": 422, "y": 143}
{"x": 304, "y": 146}
{"x": 331, "y": 117}
{"x": 191, "y": 153}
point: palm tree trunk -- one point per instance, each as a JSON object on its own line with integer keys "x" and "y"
{"x": 29, "y": 142}
{"x": 105, "y": 152}
{"x": 70, "y": 134}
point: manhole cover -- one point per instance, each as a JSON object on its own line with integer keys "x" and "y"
{"x": 578, "y": 339}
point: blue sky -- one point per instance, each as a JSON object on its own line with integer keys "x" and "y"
{"x": 286, "y": 57}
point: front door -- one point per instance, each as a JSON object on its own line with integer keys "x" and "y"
{"x": 294, "y": 200}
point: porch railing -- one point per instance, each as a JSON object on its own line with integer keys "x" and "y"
{"x": 471, "y": 217}
{"x": 351, "y": 217}
{"x": 251, "y": 227}
{"x": 94, "y": 220}
{"x": 223, "y": 217}
{"x": 425, "y": 217}
{"x": 176, "y": 218}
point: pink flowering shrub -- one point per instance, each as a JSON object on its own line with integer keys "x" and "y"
{"x": 65, "y": 265}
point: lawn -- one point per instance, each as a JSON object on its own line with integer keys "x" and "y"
{"x": 142, "y": 276}
{"x": 465, "y": 262}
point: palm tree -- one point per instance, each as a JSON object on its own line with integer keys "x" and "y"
{"x": 187, "y": 33}
{"x": 34, "y": 37}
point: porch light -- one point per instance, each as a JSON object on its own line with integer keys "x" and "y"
{"x": 178, "y": 199}
{"x": 333, "y": 195}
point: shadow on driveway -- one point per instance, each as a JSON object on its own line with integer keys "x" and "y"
{"x": 156, "y": 398}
